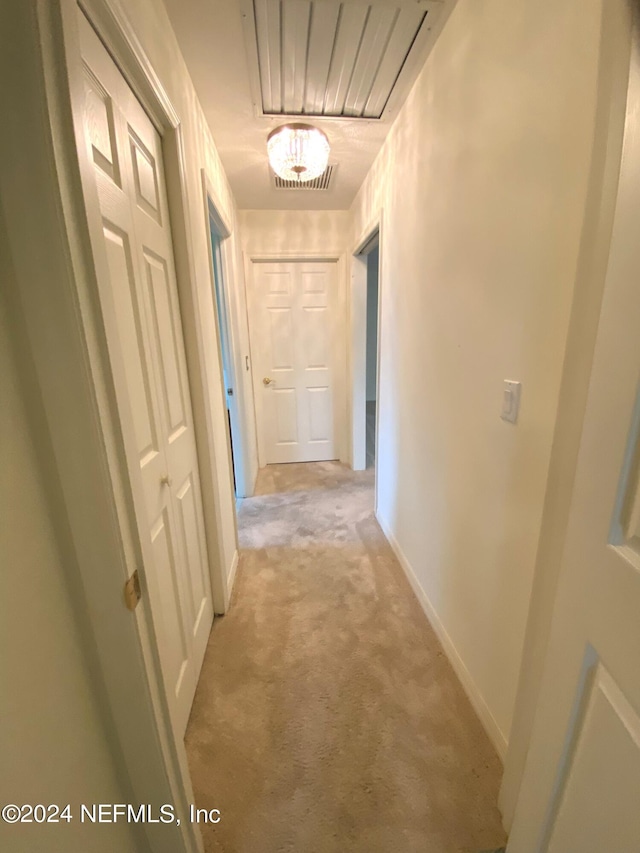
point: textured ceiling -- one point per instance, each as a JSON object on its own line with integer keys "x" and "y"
{"x": 213, "y": 39}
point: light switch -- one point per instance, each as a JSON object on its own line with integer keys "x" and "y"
{"x": 510, "y": 401}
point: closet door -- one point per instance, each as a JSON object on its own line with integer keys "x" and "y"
{"x": 293, "y": 326}
{"x": 145, "y": 341}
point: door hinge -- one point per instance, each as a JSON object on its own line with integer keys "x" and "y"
{"x": 230, "y": 392}
{"x": 132, "y": 591}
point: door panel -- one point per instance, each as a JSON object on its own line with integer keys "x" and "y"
{"x": 165, "y": 334}
{"x": 146, "y": 346}
{"x": 188, "y": 523}
{"x": 281, "y": 329}
{"x": 146, "y": 178}
{"x": 316, "y": 339}
{"x": 581, "y": 786}
{"x": 172, "y": 640}
{"x": 286, "y": 415}
{"x": 278, "y": 279}
{"x": 607, "y": 749}
{"x": 320, "y": 413}
{"x": 131, "y": 341}
{"x": 294, "y": 337}
{"x": 100, "y": 127}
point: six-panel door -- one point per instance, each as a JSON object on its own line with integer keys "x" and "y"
{"x": 147, "y": 351}
{"x": 293, "y": 333}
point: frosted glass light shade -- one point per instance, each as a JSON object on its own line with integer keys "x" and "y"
{"x": 298, "y": 152}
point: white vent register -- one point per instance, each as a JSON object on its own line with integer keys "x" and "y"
{"x": 321, "y": 183}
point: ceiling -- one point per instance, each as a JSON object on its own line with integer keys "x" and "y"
{"x": 344, "y": 65}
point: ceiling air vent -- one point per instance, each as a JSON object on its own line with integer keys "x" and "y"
{"x": 320, "y": 183}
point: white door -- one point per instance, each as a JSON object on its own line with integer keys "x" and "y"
{"x": 294, "y": 340}
{"x": 581, "y": 788}
{"x": 146, "y": 346}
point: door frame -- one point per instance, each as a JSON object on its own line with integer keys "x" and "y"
{"x": 341, "y": 386}
{"x": 358, "y": 345}
{"x": 239, "y": 410}
{"x": 64, "y": 330}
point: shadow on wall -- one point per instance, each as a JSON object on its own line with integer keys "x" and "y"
{"x": 289, "y": 231}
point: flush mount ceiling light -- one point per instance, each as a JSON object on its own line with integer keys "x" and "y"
{"x": 298, "y": 152}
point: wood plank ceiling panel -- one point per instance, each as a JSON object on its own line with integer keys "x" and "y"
{"x": 372, "y": 47}
{"x": 324, "y": 24}
{"x": 295, "y": 41}
{"x": 402, "y": 37}
{"x": 268, "y": 28}
{"x": 353, "y": 20}
{"x": 331, "y": 58}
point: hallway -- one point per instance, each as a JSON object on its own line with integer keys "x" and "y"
{"x": 231, "y": 198}
{"x": 327, "y": 717}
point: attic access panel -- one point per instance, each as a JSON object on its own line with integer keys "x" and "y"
{"x": 325, "y": 58}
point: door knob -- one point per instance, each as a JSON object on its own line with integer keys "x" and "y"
{"x": 267, "y": 381}
{"x": 165, "y": 480}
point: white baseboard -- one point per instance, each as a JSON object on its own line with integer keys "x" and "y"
{"x": 232, "y": 573}
{"x": 470, "y": 688}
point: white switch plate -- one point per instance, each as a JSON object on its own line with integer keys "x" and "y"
{"x": 510, "y": 401}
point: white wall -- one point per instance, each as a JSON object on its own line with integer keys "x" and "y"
{"x": 482, "y": 183}
{"x": 372, "y": 323}
{"x": 52, "y": 740}
{"x": 270, "y": 232}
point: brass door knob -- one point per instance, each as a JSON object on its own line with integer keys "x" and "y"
{"x": 267, "y": 381}
{"x": 165, "y": 480}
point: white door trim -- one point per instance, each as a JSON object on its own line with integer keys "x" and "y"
{"x": 357, "y": 313}
{"x": 342, "y": 391}
{"x": 65, "y": 337}
{"x": 241, "y": 411}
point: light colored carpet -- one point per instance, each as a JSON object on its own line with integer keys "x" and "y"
{"x": 327, "y": 718}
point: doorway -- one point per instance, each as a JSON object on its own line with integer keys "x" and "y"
{"x": 371, "y": 376}
{"x": 217, "y": 235}
{"x": 365, "y": 347}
